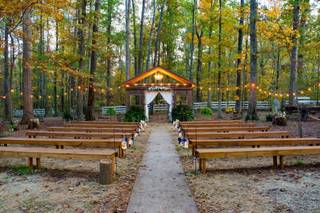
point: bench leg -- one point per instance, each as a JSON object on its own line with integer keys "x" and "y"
{"x": 38, "y": 163}
{"x": 113, "y": 162}
{"x": 275, "y": 163}
{"x": 5, "y": 144}
{"x": 30, "y": 162}
{"x": 57, "y": 146}
{"x": 281, "y": 162}
{"x": 61, "y": 147}
{"x": 202, "y": 166}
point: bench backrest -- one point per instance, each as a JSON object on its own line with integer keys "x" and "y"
{"x": 229, "y": 135}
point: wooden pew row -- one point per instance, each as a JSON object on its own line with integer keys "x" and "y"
{"x": 105, "y": 122}
{"x": 101, "y": 125}
{"x": 94, "y": 129}
{"x": 61, "y": 143}
{"x": 211, "y": 121}
{"x": 78, "y": 135}
{"x": 37, "y": 153}
{"x": 196, "y": 144}
{"x": 204, "y": 154}
{"x": 232, "y": 135}
{"x": 218, "y": 125}
{"x": 227, "y": 129}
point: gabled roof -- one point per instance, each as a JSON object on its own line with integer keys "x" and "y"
{"x": 161, "y": 70}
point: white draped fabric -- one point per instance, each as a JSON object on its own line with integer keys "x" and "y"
{"x": 168, "y": 97}
{"x": 151, "y": 95}
{"x": 148, "y": 98}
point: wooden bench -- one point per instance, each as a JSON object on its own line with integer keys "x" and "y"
{"x": 204, "y": 154}
{"x": 101, "y": 125}
{"x": 104, "y": 122}
{"x": 238, "y": 135}
{"x": 195, "y": 144}
{"x": 211, "y": 121}
{"x": 227, "y": 129}
{"x": 89, "y": 129}
{"x": 60, "y": 143}
{"x": 218, "y": 125}
{"x": 78, "y": 135}
{"x": 37, "y": 153}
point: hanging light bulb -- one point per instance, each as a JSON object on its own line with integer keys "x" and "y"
{"x": 158, "y": 76}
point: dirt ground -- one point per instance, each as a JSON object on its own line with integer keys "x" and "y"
{"x": 68, "y": 185}
{"x": 252, "y": 185}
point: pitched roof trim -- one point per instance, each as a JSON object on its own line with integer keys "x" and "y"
{"x": 155, "y": 70}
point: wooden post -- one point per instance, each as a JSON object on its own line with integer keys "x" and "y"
{"x": 189, "y": 98}
{"x": 30, "y": 162}
{"x": 281, "y": 162}
{"x": 202, "y": 165}
{"x": 38, "y": 164}
{"x": 105, "y": 172}
{"x": 275, "y": 163}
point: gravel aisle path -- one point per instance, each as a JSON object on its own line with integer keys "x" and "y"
{"x": 161, "y": 185}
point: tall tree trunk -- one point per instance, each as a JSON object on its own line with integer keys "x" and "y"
{"x": 240, "y": 41}
{"x": 151, "y": 35}
{"x": 140, "y": 60}
{"x": 27, "y": 72}
{"x": 6, "y": 75}
{"x": 252, "y": 114}
{"x": 42, "y": 85}
{"x": 108, "y": 80}
{"x": 156, "y": 59}
{"x": 294, "y": 54}
{"x": 278, "y": 68}
{"x": 93, "y": 62}
{"x": 194, "y": 8}
{"x": 81, "y": 49}
{"x": 210, "y": 61}
{"x": 199, "y": 66}
{"x": 127, "y": 8}
{"x": 302, "y": 28}
{"x": 135, "y": 40}
{"x": 55, "y": 90}
{"x": 219, "y": 59}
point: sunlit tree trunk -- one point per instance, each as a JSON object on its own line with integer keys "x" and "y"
{"x": 151, "y": 35}
{"x": 108, "y": 80}
{"x": 135, "y": 40}
{"x": 140, "y": 59}
{"x": 252, "y": 114}
{"x": 81, "y": 49}
{"x": 219, "y": 59}
{"x": 6, "y": 75}
{"x": 93, "y": 62}
{"x": 156, "y": 59}
{"x": 27, "y": 72}
{"x": 199, "y": 66}
{"x": 127, "y": 9}
{"x": 194, "y": 8}
{"x": 294, "y": 54}
{"x": 240, "y": 41}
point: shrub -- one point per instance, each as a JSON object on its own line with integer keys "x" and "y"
{"x": 111, "y": 112}
{"x": 182, "y": 113}
{"x": 252, "y": 118}
{"x": 269, "y": 118}
{"x": 206, "y": 112}
{"x": 134, "y": 114}
{"x": 229, "y": 110}
{"x": 67, "y": 115}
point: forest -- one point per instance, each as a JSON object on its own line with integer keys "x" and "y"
{"x": 70, "y": 57}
